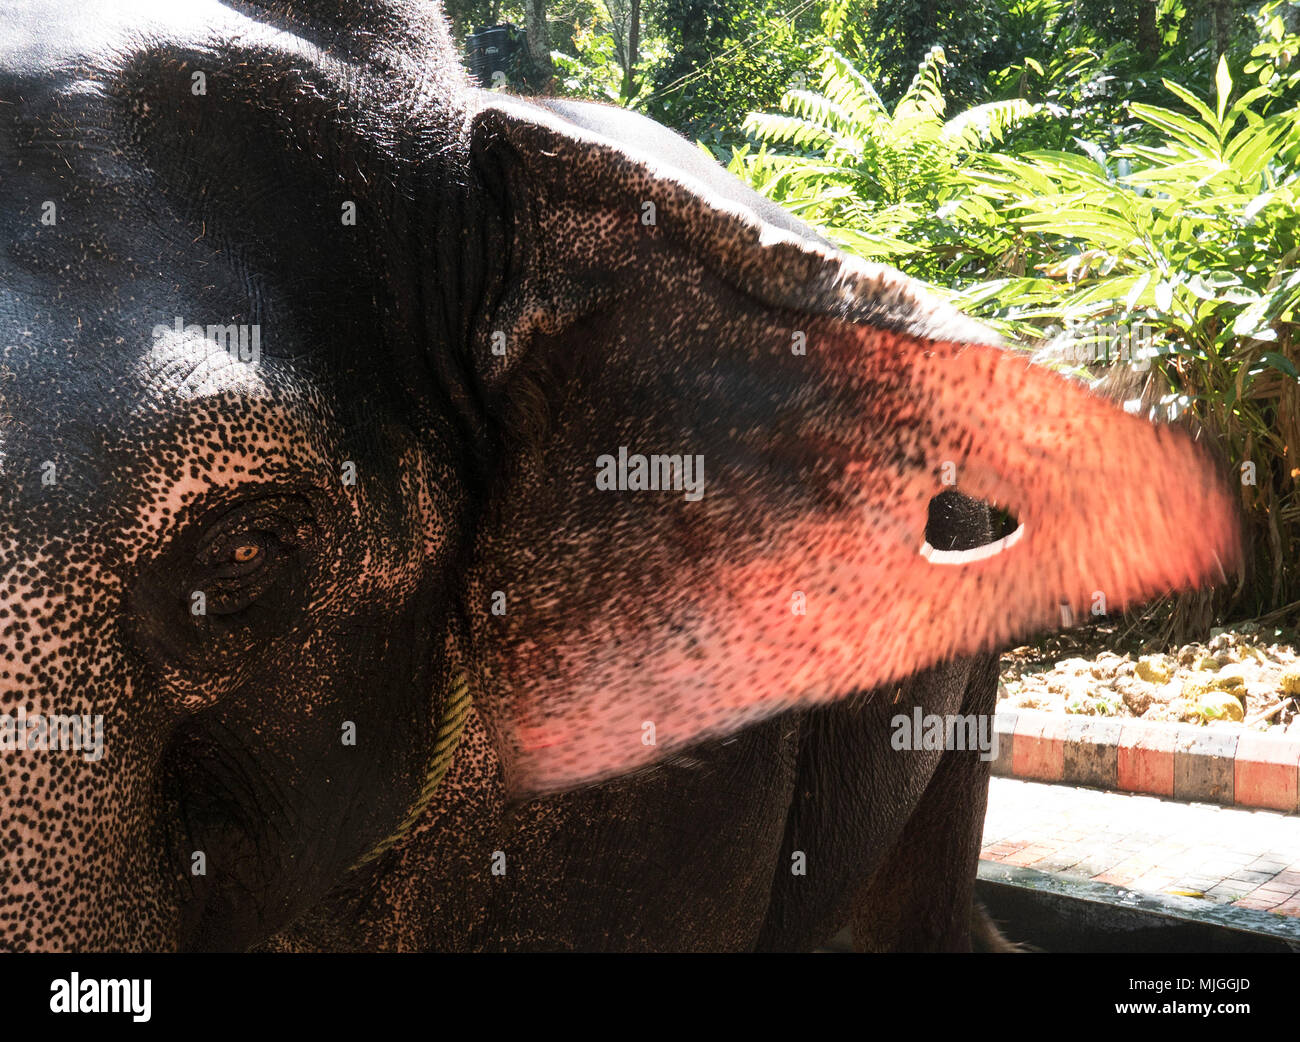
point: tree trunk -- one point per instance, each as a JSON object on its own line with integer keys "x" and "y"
{"x": 633, "y": 46}
{"x": 1148, "y": 35}
{"x": 539, "y": 43}
{"x": 1221, "y": 24}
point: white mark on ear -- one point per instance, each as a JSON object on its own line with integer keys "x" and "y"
{"x": 349, "y": 217}
{"x": 978, "y": 553}
{"x": 199, "y": 84}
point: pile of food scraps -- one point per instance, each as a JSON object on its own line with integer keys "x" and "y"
{"x": 1246, "y": 676}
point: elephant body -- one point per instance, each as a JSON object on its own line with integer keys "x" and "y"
{"x": 309, "y": 355}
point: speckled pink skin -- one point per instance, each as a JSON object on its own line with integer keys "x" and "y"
{"x": 350, "y": 506}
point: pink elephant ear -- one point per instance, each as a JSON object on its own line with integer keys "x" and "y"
{"x": 815, "y": 404}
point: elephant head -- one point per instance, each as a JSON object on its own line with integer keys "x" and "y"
{"x": 331, "y": 387}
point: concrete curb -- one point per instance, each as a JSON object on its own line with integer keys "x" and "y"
{"x": 1074, "y": 915}
{"x": 1182, "y": 761}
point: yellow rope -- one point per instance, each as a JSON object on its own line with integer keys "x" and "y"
{"x": 450, "y": 730}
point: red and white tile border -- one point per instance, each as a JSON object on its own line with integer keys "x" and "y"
{"x": 1182, "y": 761}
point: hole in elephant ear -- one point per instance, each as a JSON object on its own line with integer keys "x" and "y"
{"x": 976, "y": 553}
{"x": 826, "y": 400}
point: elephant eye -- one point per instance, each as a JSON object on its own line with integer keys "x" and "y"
{"x": 256, "y": 554}
{"x": 243, "y": 555}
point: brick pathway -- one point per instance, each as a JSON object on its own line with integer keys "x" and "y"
{"x": 1250, "y": 858}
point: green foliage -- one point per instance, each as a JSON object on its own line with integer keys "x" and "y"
{"x": 901, "y": 32}
{"x": 723, "y": 60}
{"x": 1275, "y": 59}
{"x": 592, "y": 70}
{"x": 1195, "y": 238}
{"x": 1187, "y": 229}
{"x": 874, "y": 180}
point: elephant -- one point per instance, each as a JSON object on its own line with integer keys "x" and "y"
{"x": 435, "y": 519}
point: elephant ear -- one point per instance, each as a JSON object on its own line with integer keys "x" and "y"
{"x": 647, "y": 312}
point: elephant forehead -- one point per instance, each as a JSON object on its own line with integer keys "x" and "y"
{"x": 115, "y": 473}
{"x": 52, "y": 34}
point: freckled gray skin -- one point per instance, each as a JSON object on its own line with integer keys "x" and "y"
{"x": 337, "y": 607}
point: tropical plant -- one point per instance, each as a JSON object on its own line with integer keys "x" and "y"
{"x": 593, "y": 69}
{"x": 1182, "y": 240}
{"x": 1275, "y": 58}
{"x": 872, "y": 179}
{"x": 1195, "y": 239}
{"x": 721, "y": 60}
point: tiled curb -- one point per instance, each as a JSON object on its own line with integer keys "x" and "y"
{"x": 1182, "y": 761}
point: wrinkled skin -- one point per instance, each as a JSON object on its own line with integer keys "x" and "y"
{"x": 139, "y": 466}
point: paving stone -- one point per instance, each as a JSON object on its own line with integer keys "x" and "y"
{"x": 1152, "y": 882}
{"x": 1202, "y": 883}
{"x": 1147, "y": 843}
{"x": 1254, "y": 878}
